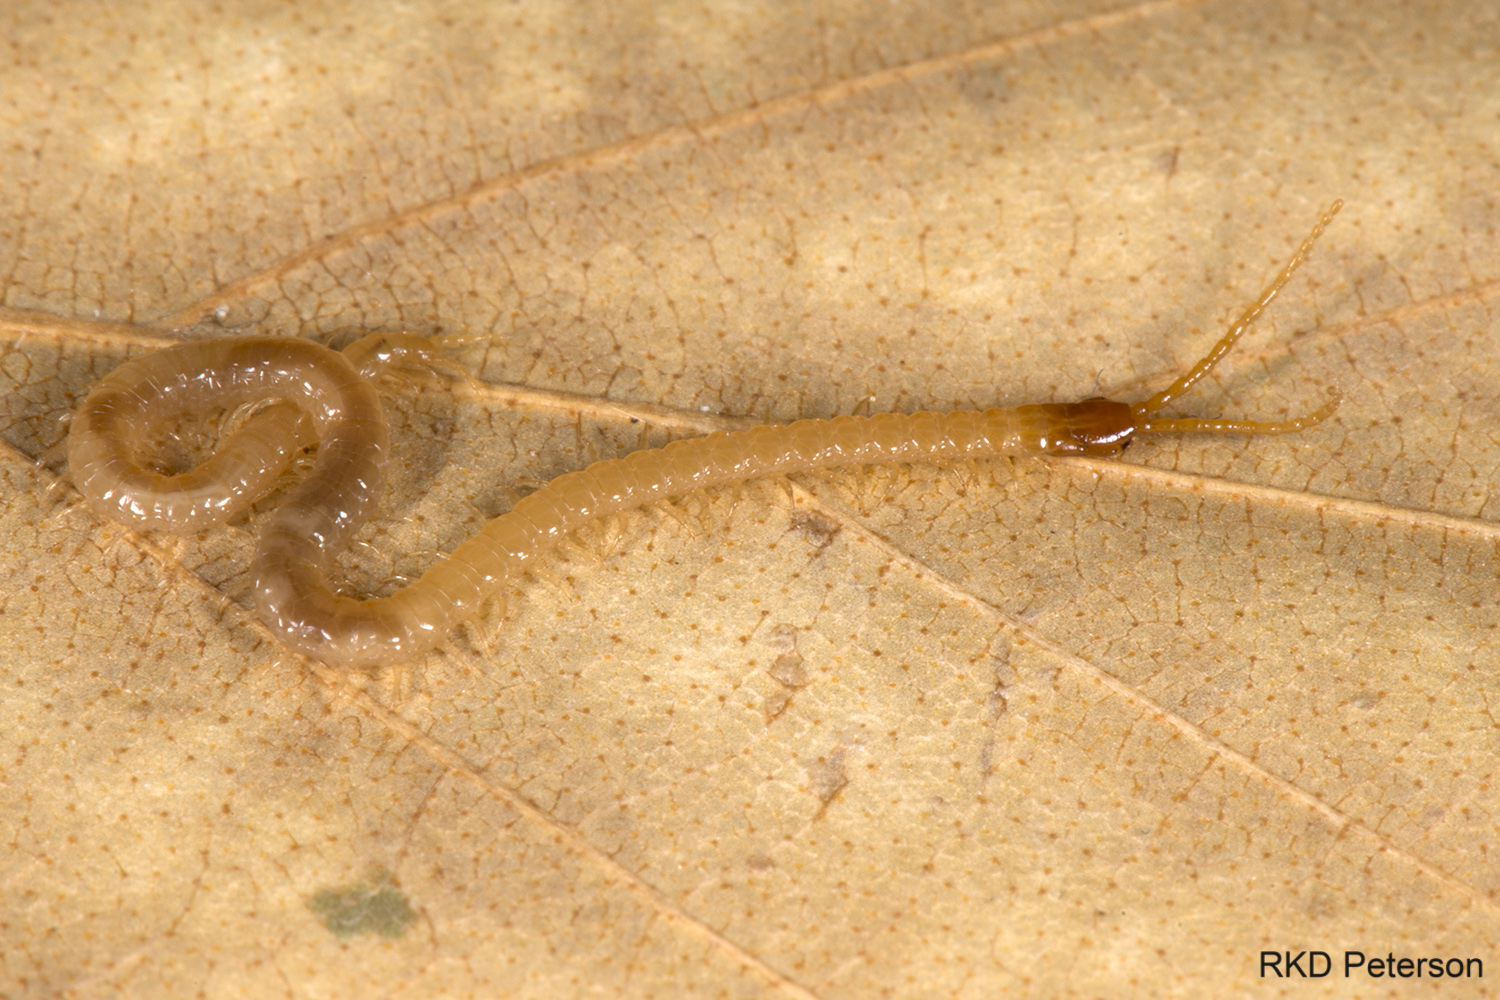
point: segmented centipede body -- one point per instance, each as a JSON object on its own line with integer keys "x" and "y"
{"x": 314, "y": 393}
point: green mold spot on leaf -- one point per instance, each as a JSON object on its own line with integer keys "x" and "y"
{"x": 379, "y": 908}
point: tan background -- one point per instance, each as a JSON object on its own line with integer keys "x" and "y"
{"x": 1076, "y": 728}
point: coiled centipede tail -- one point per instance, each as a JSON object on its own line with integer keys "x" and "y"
{"x": 314, "y": 393}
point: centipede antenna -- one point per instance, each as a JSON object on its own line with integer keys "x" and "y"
{"x": 1198, "y": 425}
{"x": 1206, "y": 364}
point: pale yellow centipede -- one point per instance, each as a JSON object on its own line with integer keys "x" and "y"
{"x": 317, "y": 394}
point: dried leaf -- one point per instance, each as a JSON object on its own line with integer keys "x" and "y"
{"x": 1051, "y": 728}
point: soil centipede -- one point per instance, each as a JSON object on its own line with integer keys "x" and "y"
{"x": 312, "y": 393}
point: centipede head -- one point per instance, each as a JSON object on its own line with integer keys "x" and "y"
{"x": 1095, "y": 426}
